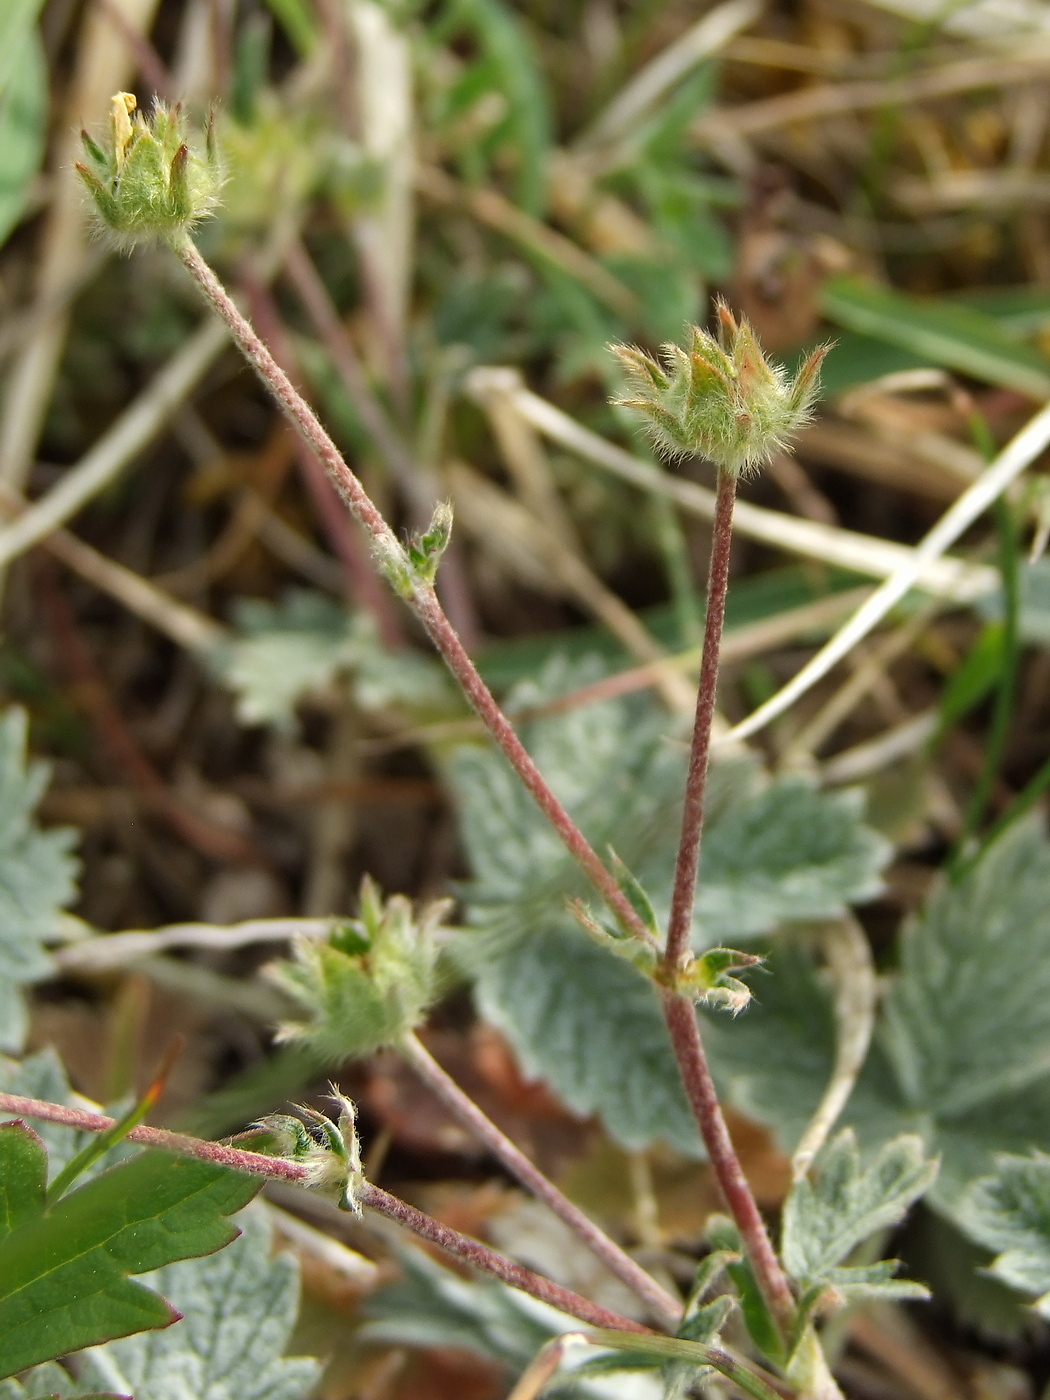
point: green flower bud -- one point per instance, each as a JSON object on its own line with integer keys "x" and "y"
{"x": 371, "y": 981}
{"x": 329, "y": 1150}
{"x": 147, "y": 182}
{"x": 720, "y": 398}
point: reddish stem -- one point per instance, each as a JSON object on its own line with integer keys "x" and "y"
{"x": 277, "y": 1169}
{"x": 666, "y": 1308}
{"x": 471, "y": 1252}
{"x": 679, "y": 1011}
{"x": 363, "y": 583}
{"x": 680, "y": 1015}
{"x": 424, "y": 600}
{"x": 445, "y": 638}
{"x": 680, "y": 924}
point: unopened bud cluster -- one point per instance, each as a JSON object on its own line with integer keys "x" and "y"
{"x": 719, "y": 398}
{"x": 329, "y": 1150}
{"x": 371, "y": 981}
{"x": 146, "y": 180}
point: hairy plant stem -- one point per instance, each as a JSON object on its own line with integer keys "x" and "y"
{"x": 680, "y": 1015}
{"x": 642, "y": 1284}
{"x": 679, "y": 1010}
{"x": 680, "y": 923}
{"x": 277, "y": 1169}
{"x": 424, "y": 600}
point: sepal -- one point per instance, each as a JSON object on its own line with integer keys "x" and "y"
{"x": 719, "y": 398}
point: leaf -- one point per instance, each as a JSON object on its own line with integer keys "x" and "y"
{"x": 37, "y": 873}
{"x": 839, "y": 1205}
{"x": 48, "y": 1379}
{"x": 961, "y": 1054}
{"x": 574, "y": 1015}
{"x": 430, "y": 1306}
{"x": 590, "y": 1026}
{"x": 23, "y": 123}
{"x": 239, "y": 1308}
{"x": 64, "y": 1272}
{"x": 1009, "y": 1213}
{"x": 296, "y": 19}
{"x": 967, "y": 1019}
{"x": 955, "y": 336}
{"x": 41, "y": 1076}
{"x": 286, "y": 651}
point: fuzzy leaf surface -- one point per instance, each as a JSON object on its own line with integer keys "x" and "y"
{"x": 1009, "y": 1213}
{"x": 576, "y": 1016}
{"x": 968, "y": 1018}
{"x": 47, "y": 1379}
{"x": 431, "y": 1306}
{"x": 41, "y": 1076}
{"x": 961, "y": 1054}
{"x": 64, "y": 1272}
{"x": 840, "y": 1205}
{"x": 238, "y": 1309}
{"x": 37, "y": 875}
{"x": 283, "y": 652}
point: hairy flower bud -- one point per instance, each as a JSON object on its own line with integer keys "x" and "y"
{"x": 368, "y": 983}
{"x": 720, "y": 398}
{"x": 146, "y": 181}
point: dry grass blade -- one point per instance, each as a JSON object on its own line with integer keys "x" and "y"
{"x": 848, "y": 549}
{"x": 1018, "y": 454}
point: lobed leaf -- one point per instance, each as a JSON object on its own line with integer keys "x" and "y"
{"x": 961, "y": 1054}
{"x": 283, "y": 652}
{"x": 37, "y": 875}
{"x": 65, "y": 1271}
{"x": 1009, "y": 1213}
{"x": 575, "y": 1015}
{"x": 840, "y": 1205}
{"x": 238, "y": 1307}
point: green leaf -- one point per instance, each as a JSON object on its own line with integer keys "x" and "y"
{"x": 839, "y": 1205}
{"x": 238, "y": 1308}
{"x": 430, "y": 1306}
{"x": 284, "y": 652}
{"x": 968, "y": 1018}
{"x": 575, "y": 1015}
{"x": 48, "y": 1379}
{"x": 1009, "y": 1213}
{"x": 974, "y": 677}
{"x": 955, "y": 336}
{"x": 297, "y": 20}
{"x": 23, "y": 126}
{"x": 37, "y": 873}
{"x": 961, "y": 1054}
{"x": 41, "y": 1076}
{"x": 64, "y": 1272}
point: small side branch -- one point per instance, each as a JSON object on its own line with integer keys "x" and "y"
{"x": 663, "y": 1306}
{"x": 852, "y": 968}
{"x": 277, "y": 1169}
{"x": 424, "y": 600}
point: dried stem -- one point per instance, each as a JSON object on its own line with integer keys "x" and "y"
{"x": 424, "y": 601}
{"x": 662, "y": 1304}
{"x": 277, "y": 1169}
{"x": 680, "y": 924}
{"x": 679, "y": 1011}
